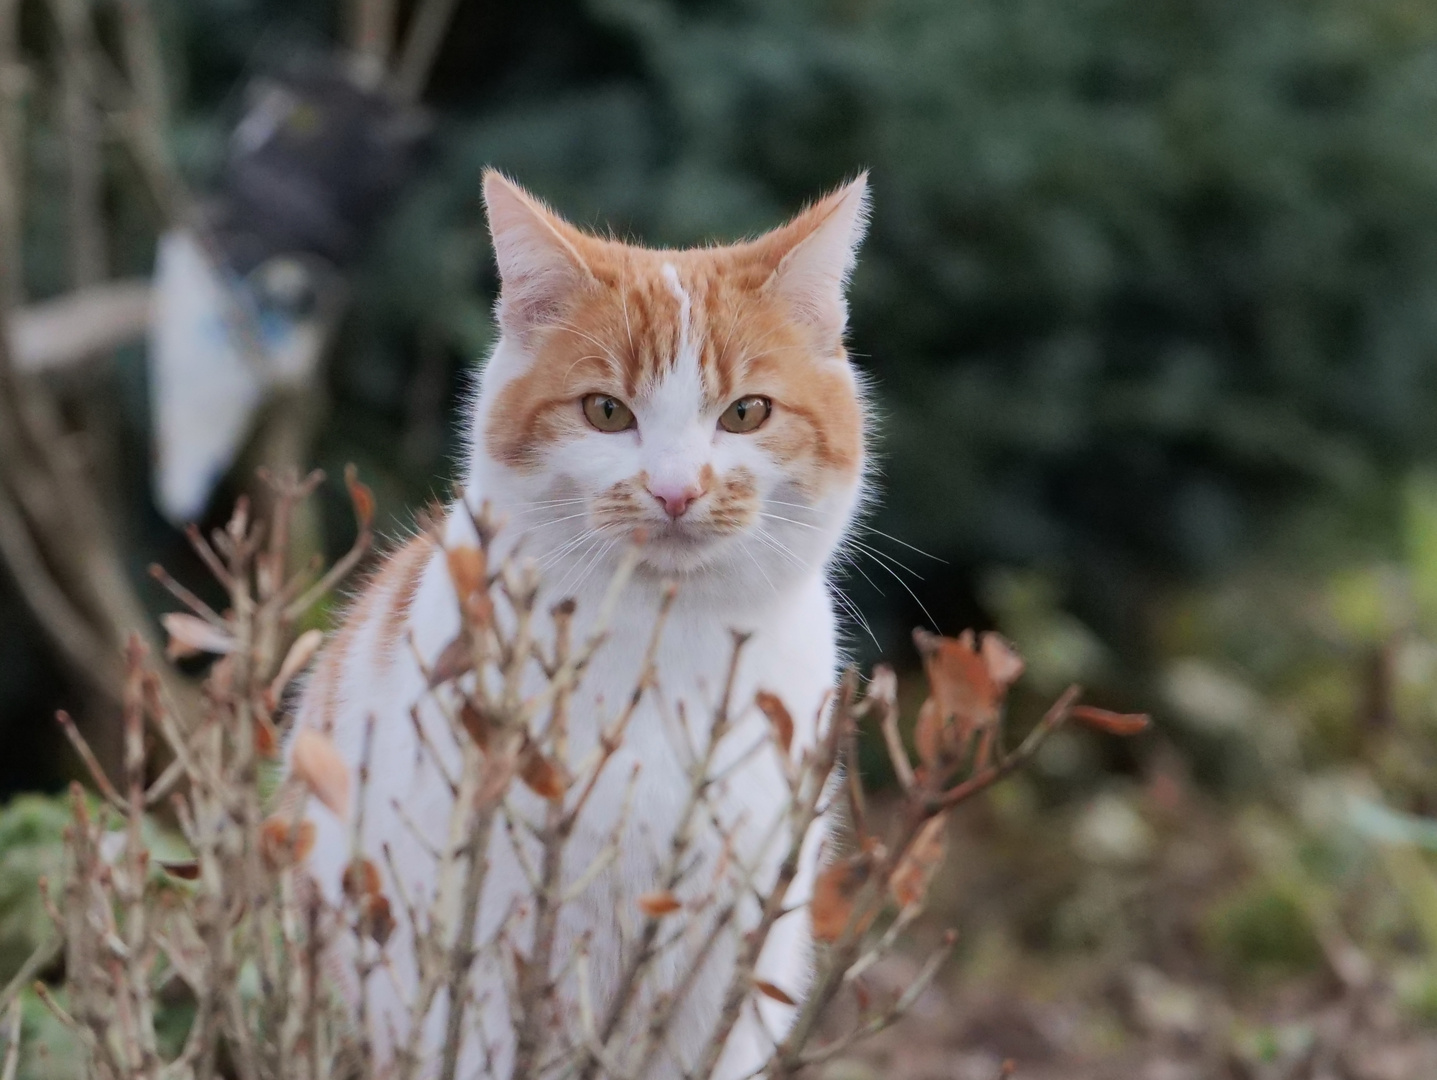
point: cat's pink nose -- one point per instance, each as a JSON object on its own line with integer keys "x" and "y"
{"x": 675, "y": 499}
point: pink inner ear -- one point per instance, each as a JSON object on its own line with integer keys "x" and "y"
{"x": 814, "y": 273}
{"x": 540, "y": 267}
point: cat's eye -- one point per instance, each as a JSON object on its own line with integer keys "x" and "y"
{"x": 607, "y": 413}
{"x": 745, "y": 415}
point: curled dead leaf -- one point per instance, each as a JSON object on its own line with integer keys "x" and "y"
{"x": 295, "y": 661}
{"x": 910, "y": 879}
{"x": 185, "y": 869}
{"x": 266, "y": 738}
{"x": 316, "y": 763}
{"x": 883, "y": 686}
{"x": 361, "y": 497}
{"x": 476, "y": 724}
{"x": 932, "y": 737}
{"x": 541, "y": 775}
{"x": 768, "y": 990}
{"x": 456, "y": 659}
{"x": 1005, "y": 666}
{"x": 772, "y": 706}
{"x": 658, "y": 903}
{"x": 959, "y": 682}
{"x": 1111, "y": 723}
{"x": 967, "y": 684}
{"x": 376, "y": 918}
{"x": 834, "y": 893}
{"x": 361, "y": 878}
{"x": 468, "y": 569}
{"x": 284, "y": 842}
{"x": 191, "y": 636}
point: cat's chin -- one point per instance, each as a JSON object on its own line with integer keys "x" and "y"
{"x": 680, "y": 554}
{"x": 684, "y": 551}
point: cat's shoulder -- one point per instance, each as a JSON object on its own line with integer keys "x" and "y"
{"x": 372, "y": 628}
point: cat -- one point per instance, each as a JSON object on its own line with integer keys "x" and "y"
{"x": 706, "y": 398}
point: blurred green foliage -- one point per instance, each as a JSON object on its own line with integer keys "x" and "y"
{"x": 31, "y": 829}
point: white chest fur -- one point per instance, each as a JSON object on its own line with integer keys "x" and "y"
{"x": 790, "y": 651}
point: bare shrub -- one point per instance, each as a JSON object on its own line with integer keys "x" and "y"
{"x": 238, "y": 932}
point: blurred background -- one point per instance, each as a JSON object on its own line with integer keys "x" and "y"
{"x": 1149, "y": 306}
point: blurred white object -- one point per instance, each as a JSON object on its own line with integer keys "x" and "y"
{"x": 219, "y": 344}
{"x": 203, "y": 389}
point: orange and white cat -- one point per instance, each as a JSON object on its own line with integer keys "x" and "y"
{"x": 706, "y": 398}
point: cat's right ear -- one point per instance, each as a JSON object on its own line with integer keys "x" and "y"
{"x": 540, "y": 267}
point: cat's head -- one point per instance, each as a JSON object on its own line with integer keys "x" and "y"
{"x": 702, "y": 396}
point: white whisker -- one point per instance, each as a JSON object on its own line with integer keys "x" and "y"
{"x": 851, "y": 561}
{"x": 553, "y": 558}
{"x": 894, "y": 574}
{"x": 536, "y": 526}
{"x": 846, "y": 603}
{"x": 857, "y": 616}
{"x": 905, "y": 543}
{"x": 768, "y": 538}
{"x": 590, "y": 559}
{"x": 864, "y": 527}
{"x": 759, "y": 567}
{"x": 881, "y": 556}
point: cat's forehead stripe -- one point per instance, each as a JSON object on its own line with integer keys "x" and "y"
{"x": 671, "y": 279}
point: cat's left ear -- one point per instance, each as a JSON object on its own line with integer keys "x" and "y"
{"x": 540, "y": 266}
{"x": 822, "y": 247}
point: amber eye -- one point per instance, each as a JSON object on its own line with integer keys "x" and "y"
{"x": 745, "y": 415}
{"x": 608, "y": 414}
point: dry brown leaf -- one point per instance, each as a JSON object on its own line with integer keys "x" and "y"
{"x": 266, "y": 739}
{"x": 191, "y": 635}
{"x": 834, "y": 893}
{"x": 295, "y": 661}
{"x": 456, "y": 659}
{"x": 284, "y": 842}
{"x": 768, "y": 990}
{"x": 1111, "y": 723}
{"x": 909, "y": 881}
{"x": 929, "y": 735}
{"x": 658, "y": 903}
{"x": 316, "y": 763}
{"x": 541, "y": 775}
{"x": 883, "y": 686}
{"x": 187, "y": 870}
{"x": 966, "y": 688}
{"x": 361, "y": 497}
{"x": 958, "y": 680}
{"x": 1005, "y": 666}
{"x": 476, "y": 724}
{"x": 779, "y": 717}
{"x": 361, "y": 878}
{"x": 478, "y": 611}
{"x": 468, "y": 569}
{"x": 376, "y": 919}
